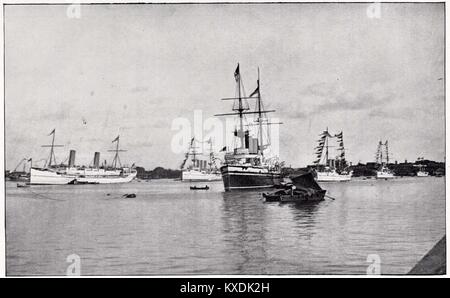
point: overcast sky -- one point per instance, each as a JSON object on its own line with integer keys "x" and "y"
{"x": 132, "y": 69}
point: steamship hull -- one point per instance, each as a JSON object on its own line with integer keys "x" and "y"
{"x": 49, "y": 177}
{"x": 384, "y": 175}
{"x": 69, "y": 176}
{"x": 332, "y": 177}
{"x": 197, "y": 176}
{"x": 249, "y": 177}
{"x": 107, "y": 179}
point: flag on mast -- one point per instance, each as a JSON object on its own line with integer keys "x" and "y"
{"x": 255, "y": 92}
{"x": 237, "y": 75}
{"x": 116, "y": 139}
{"x": 53, "y": 132}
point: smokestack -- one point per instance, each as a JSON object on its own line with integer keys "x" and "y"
{"x": 71, "y": 158}
{"x": 96, "y": 160}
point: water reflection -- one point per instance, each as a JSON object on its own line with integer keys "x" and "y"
{"x": 244, "y": 226}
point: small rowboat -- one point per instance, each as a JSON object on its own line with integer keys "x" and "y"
{"x": 206, "y": 187}
{"x": 128, "y": 196}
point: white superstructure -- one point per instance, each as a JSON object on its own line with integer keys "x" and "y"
{"x": 385, "y": 173}
{"x": 199, "y": 170}
{"x": 422, "y": 174}
{"x": 330, "y": 175}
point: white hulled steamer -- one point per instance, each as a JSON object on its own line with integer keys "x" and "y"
{"x": 53, "y": 174}
{"x": 246, "y": 167}
{"x": 199, "y": 170}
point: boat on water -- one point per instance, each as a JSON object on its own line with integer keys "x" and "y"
{"x": 22, "y": 175}
{"x": 54, "y": 174}
{"x": 383, "y": 160}
{"x": 334, "y": 169}
{"x": 248, "y": 166}
{"x": 421, "y": 173}
{"x": 199, "y": 170}
{"x": 206, "y": 187}
{"x": 330, "y": 175}
{"x": 421, "y": 168}
{"x": 385, "y": 173}
{"x": 303, "y": 189}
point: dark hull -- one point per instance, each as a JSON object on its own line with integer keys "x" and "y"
{"x": 241, "y": 179}
{"x": 297, "y": 197}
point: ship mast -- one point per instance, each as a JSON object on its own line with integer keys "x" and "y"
{"x": 194, "y": 153}
{"x": 116, "y": 155}
{"x": 326, "y": 148}
{"x": 260, "y": 119}
{"x": 52, "y": 151}
{"x": 381, "y": 152}
{"x": 241, "y": 110}
{"x": 211, "y": 155}
{"x": 387, "y": 152}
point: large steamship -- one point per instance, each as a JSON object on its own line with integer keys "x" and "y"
{"x": 247, "y": 166}
{"x": 54, "y": 174}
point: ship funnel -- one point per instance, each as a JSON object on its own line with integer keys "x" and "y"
{"x": 96, "y": 159}
{"x": 72, "y": 158}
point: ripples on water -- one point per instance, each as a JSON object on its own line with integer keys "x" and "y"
{"x": 168, "y": 229}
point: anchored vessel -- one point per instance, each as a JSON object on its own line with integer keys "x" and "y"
{"x": 199, "y": 170}
{"x": 303, "y": 189}
{"x": 247, "y": 166}
{"x": 330, "y": 170}
{"x": 53, "y": 174}
{"x": 383, "y": 172}
{"x": 422, "y": 171}
{"x": 20, "y": 175}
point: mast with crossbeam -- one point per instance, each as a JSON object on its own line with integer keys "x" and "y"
{"x": 116, "y": 156}
{"x": 52, "y": 156}
{"x": 241, "y": 111}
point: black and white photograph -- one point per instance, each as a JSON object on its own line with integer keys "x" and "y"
{"x": 224, "y": 139}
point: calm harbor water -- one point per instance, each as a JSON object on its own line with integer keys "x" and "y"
{"x": 170, "y": 230}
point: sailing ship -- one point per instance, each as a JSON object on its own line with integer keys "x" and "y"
{"x": 383, "y": 172}
{"x": 23, "y": 175}
{"x": 54, "y": 174}
{"x": 247, "y": 166}
{"x": 199, "y": 170}
{"x": 331, "y": 170}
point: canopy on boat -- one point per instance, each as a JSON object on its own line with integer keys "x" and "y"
{"x": 305, "y": 180}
